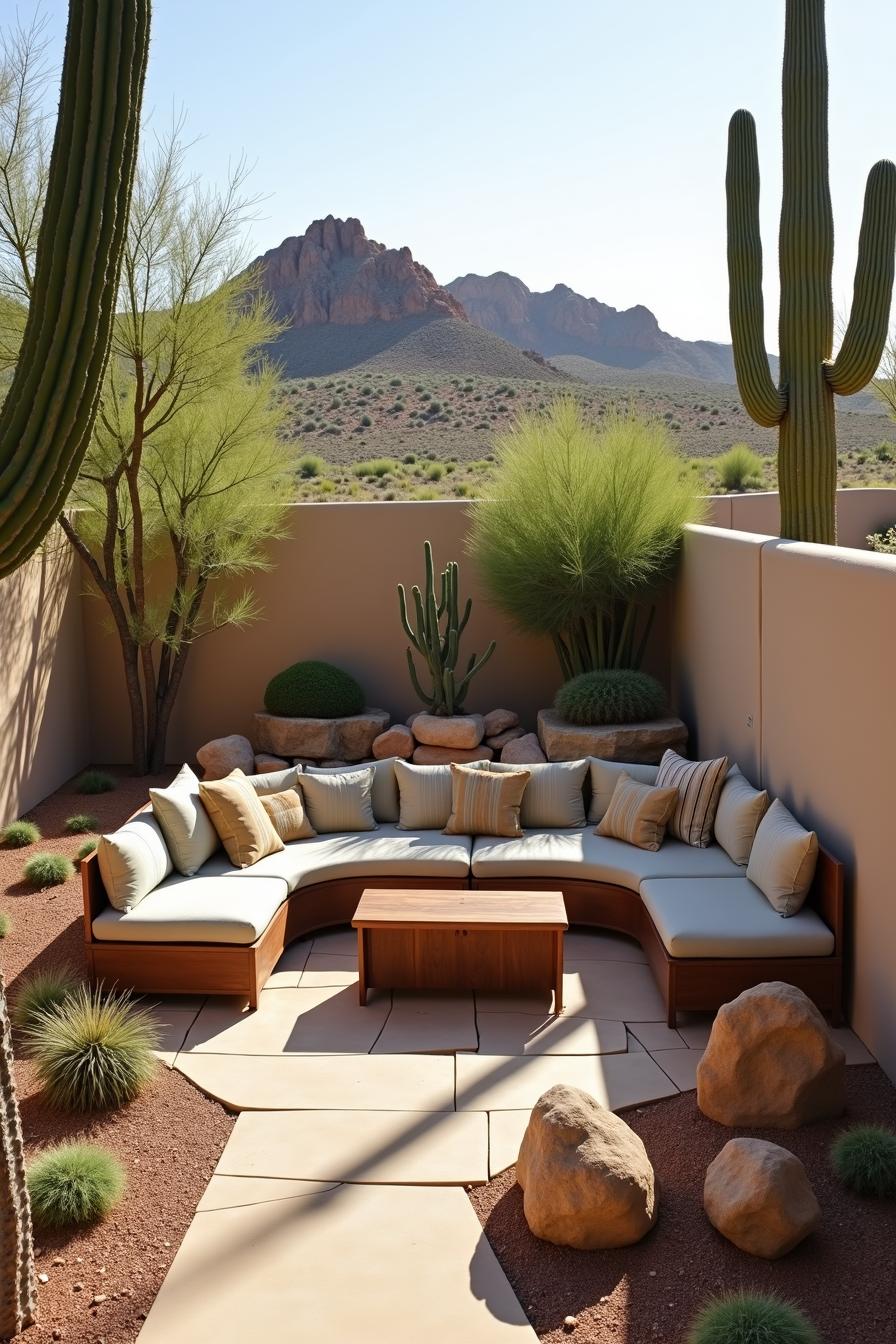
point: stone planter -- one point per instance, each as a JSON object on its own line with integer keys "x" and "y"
{"x": 642, "y": 743}
{"x": 348, "y": 739}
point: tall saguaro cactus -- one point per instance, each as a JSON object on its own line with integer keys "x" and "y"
{"x": 48, "y": 415}
{"x": 802, "y": 406}
{"x": 18, "y": 1300}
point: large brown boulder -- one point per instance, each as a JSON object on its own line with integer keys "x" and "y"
{"x": 395, "y": 741}
{"x": 771, "y": 1062}
{"x": 224, "y": 754}
{"x": 522, "y": 751}
{"x": 758, "y": 1195}
{"x": 454, "y": 730}
{"x": 347, "y": 739}
{"x": 587, "y": 1180}
{"x": 642, "y": 743}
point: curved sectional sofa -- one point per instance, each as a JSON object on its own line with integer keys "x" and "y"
{"x": 707, "y": 931}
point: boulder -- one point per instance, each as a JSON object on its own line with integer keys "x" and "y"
{"x": 771, "y": 1062}
{"x": 445, "y": 755}
{"x": 758, "y": 1195}
{"x": 500, "y": 740}
{"x": 348, "y": 739}
{"x": 265, "y": 762}
{"x": 640, "y": 743}
{"x": 395, "y": 741}
{"x": 498, "y": 721}
{"x": 224, "y": 754}
{"x": 523, "y": 751}
{"x": 456, "y": 730}
{"x": 587, "y": 1180}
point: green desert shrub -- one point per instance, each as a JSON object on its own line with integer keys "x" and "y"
{"x": 81, "y": 822}
{"x": 883, "y": 542}
{"x": 18, "y": 834}
{"x": 751, "y": 1318}
{"x": 74, "y": 1184}
{"x": 48, "y": 870}
{"x": 309, "y": 466}
{"x": 313, "y": 690}
{"x": 611, "y": 695}
{"x": 93, "y": 1050}
{"x": 95, "y": 781}
{"x": 739, "y": 468}
{"x": 4, "y": 924}
{"x": 864, "y": 1157}
{"x": 86, "y": 849}
{"x": 41, "y": 993}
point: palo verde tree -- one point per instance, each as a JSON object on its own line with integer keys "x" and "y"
{"x": 802, "y": 405}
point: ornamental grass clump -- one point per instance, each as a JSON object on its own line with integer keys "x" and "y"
{"x": 740, "y": 468}
{"x": 48, "y": 870}
{"x": 86, "y": 849}
{"x": 4, "y": 924}
{"x": 41, "y": 993}
{"x": 614, "y": 695}
{"x": 864, "y": 1157}
{"x": 81, "y": 822}
{"x": 94, "y": 1050}
{"x": 18, "y": 834}
{"x": 95, "y": 781}
{"x": 582, "y": 524}
{"x": 74, "y": 1184}
{"x": 751, "y": 1318}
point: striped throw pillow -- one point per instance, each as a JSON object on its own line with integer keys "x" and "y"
{"x": 339, "y": 802}
{"x": 699, "y": 785}
{"x": 287, "y": 813}
{"x": 243, "y": 826}
{"x": 486, "y": 804}
{"x": 638, "y": 813}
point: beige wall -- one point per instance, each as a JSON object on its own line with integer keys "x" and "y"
{"x": 858, "y": 513}
{"x": 44, "y": 736}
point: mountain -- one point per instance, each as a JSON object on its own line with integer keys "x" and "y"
{"x": 562, "y": 322}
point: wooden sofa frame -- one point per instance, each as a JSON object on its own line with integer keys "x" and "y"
{"x": 687, "y": 983}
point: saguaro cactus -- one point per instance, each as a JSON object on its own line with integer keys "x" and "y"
{"x": 48, "y": 415}
{"x": 439, "y": 647}
{"x": 18, "y": 1301}
{"x": 802, "y": 406}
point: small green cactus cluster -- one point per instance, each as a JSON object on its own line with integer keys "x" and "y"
{"x": 437, "y": 638}
{"x": 864, "y": 1157}
{"x": 614, "y": 695}
{"x": 751, "y": 1318}
{"x": 313, "y": 690}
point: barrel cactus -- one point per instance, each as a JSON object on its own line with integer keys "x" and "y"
{"x": 802, "y": 405}
{"x": 613, "y": 695}
{"x": 18, "y": 1300}
{"x": 47, "y": 418}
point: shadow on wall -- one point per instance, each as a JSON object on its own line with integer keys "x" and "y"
{"x": 43, "y": 711}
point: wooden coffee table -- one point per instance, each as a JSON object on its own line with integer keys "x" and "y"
{"x": 500, "y": 941}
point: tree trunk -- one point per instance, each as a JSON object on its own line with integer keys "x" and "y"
{"x": 18, "y": 1299}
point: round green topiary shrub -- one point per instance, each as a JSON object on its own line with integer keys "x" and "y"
{"x": 80, "y": 822}
{"x": 616, "y": 695}
{"x": 48, "y": 870}
{"x": 864, "y": 1157}
{"x": 93, "y": 1051}
{"x": 73, "y": 1184}
{"x": 95, "y": 781}
{"x": 41, "y": 993}
{"x": 751, "y": 1318}
{"x": 313, "y": 690}
{"x": 18, "y": 834}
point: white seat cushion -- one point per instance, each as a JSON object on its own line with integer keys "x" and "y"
{"x": 729, "y": 917}
{"x": 206, "y": 908}
{"x": 594, "y": 858}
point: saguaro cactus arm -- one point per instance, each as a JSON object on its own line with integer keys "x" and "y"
{"x": 48, "y": 415}
{"x": 18, "y": 1301}
{"x": 765, "y": 402}
{"x": 866, "y": 334}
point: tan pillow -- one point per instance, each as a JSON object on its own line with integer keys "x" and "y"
{"x": 287, "y": 813}
{"x": 740, "y": 810}
{"x": 553, "y": 798}
{"x": 424, "y": 793}
{"x": 605, "y": 777}
{"x": 699, "y": 784}
{"x": 782, "y": 860}
{"x": 245, "y": 829}
{"x": 339, "y": 802}
{"x": 638, "y": 813}
{"x": 189, "y": 834}
{"x": 383, "y": 794}
{"x": 483, "y": 803}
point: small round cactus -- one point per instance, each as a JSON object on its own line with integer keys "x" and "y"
{"x": 615, "y": 695}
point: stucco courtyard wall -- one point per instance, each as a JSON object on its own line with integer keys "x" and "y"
{"x": 44, "y": 729}
{"x": 859, "y": 512}
{"x": 783, "y": 657}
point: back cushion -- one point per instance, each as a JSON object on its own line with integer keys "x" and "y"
{"x": 275, "y": 781}
{"x": 341, "y": 801}
{"x": 740, "y": 810}
{"x": 553, "y": 798}
{"x": 384, "y": 794}
{"x": 605, "y": 777}
{"x": 782, "y": 860}
{"x": 133, "y": 860}
{"x": 188, "y": 831}
{"x": 425, "y": 794}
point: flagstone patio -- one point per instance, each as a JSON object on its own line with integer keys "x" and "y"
{"x": 338, "y": 1199}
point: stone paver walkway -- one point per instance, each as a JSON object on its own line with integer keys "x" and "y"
{"x": 338, "y": 1206}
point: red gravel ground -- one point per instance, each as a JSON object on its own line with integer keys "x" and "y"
{"x": 168, "y": 1140}
{"x": 842, "y": 1275}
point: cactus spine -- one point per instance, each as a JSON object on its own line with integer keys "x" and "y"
{"x": 802, "y": 406}
{"x": 439, "y": 647}
{"x": 48, "y": 415}
{"x": 18, "y": 1301}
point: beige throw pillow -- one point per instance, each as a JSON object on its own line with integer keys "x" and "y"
{"x": 484, "y": 803}
{"x": 339, "y": 802}
{"x": 605, "y": 777}
{"x": 189, "y": 834}
{"x": 740, "y": 810}
{"x": 424, "y": 793}
{"x": 553, "y": 798}
{"x": 782, "y": 860}
{"x": 133, "y": 860}
{"x": 699, "y": 784}
{"x": 638, "y": 813}
{"x": 287, "y": 813}
{"x": 275, "y": 781}
{"x": 245, "y": 829}
{"x": 383, "y": 795}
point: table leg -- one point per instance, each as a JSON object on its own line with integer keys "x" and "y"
{"x": 362, "y": 969}
{"x": 558, "y": 972}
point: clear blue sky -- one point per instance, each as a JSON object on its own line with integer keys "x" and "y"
{"x": 579, "y": 141}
